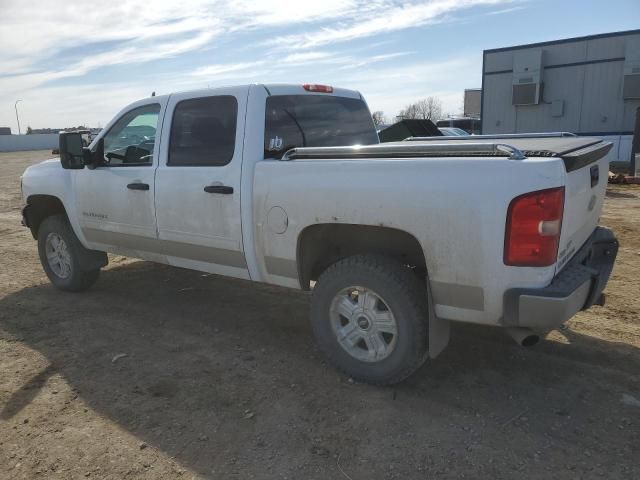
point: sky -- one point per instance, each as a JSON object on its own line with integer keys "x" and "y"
{"x": 77, "y": 62}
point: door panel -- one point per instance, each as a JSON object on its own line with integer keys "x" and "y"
{"x": 198, "y": 181}
{"x": 106, "y": 204}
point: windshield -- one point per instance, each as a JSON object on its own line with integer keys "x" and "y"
{"x": 315, "y": 121}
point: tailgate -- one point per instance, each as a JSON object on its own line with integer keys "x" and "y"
{"x": 585, "y": 187}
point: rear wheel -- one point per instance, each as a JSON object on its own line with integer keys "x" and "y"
{"x": 59, "y": 251}
{"x": 369, "y": 315}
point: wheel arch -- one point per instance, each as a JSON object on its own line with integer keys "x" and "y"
{"x": 323, "y": 244}
{"x": 39, "y": 207}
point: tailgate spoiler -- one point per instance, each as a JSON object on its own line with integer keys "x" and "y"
{"x": 582, "y": 157}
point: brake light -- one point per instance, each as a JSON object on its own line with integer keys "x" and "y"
{"x": 312, "y": 87}
{"x": 534, "y": 221}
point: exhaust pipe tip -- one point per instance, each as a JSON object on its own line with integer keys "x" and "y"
{"x": 524, "y": 337}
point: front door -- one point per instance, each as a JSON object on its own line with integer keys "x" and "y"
{"x": 198, "y": 182}
{"x": 115, "y": 201}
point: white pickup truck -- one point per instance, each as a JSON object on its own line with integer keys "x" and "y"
{"x": 288, "y": 185}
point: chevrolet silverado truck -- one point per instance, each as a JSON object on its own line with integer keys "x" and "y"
{"x": 288, "y": 185}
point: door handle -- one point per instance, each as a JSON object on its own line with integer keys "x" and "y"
{"x": 138, "y": 186}
{"x": 224, "y": 189}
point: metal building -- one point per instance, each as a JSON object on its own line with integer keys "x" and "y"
{"x": 587, "y": 85}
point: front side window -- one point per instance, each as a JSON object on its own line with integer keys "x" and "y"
{"x": 131, "y": 140}
{"x": 203, "y": 132}
{"x": 316, "y": 121}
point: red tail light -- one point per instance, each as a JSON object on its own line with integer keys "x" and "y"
{"x": 534, "y": 221}
{"x": 312, "y": 87}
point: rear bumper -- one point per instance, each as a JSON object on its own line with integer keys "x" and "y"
{"x": 577, "y": 287}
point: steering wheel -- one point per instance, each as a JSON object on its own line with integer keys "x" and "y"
{"x": 117, "y": 156}
{"x": 147, "y": 142}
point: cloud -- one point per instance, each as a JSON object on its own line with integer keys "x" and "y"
{"x": 390, "y": 18}
{"x": 224, "y": 70}
{"x": 48, "y": 28}
{"x": 391, "y": 87}
{"x": 307, "y": 57}
{"x": 357, "y": 63}
{"x": 125, "y": 55}
{"x": 260, "y": 13}
{"x": 49, "y": 45}
{"x": 506, "y": 10}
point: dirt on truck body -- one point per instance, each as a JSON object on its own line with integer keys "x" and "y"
{"x": 160, "y": 372}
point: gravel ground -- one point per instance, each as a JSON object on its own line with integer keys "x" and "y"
{"x": 159, "y": 372}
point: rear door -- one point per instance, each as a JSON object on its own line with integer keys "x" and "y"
{"x": 198, "y": 181}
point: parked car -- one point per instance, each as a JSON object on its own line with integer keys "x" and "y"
{"x": 452, "y": 132}
{"x": 469, "y": 125}
{"x": 287, "y": 185}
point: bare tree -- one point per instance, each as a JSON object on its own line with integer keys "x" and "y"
{"x": 378, "y": 118}
{"x": 429, "y": 108}
{"x": 410, "y": 111}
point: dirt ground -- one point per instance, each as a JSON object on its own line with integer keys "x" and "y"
{"x": 221, "y": 380}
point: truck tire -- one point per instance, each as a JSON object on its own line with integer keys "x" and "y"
{"x": 59, "y": 250}
{"x": 370, "y": 318}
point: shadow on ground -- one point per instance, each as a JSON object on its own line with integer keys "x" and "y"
{"x": 222, "y": 375}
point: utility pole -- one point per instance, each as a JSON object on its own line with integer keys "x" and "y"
{"x": 17, "y": 117}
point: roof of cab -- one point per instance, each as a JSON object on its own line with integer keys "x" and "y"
{"x": 275, "y": 89}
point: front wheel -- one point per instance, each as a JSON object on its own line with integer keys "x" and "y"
{"x": 369, "y": 315}
{"x": 59, "y": 250}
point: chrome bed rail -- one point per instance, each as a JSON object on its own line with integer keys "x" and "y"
{"x": 406, "y": 150}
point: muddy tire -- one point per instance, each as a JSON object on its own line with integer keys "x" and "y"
{"x": 59, "y": 250}
{"x": 369, "y": 315}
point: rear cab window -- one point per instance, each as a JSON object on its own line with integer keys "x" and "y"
{"x": 315, "y": 121}
{"x": 203, "y": 132}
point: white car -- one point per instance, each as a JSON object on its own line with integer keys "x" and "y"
{"x": 452, "y": 132}
{"x": 287, "y": 184}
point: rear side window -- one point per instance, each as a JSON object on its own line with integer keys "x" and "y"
{"x": 315, "y": 121}
{"x": 203, "y": 132}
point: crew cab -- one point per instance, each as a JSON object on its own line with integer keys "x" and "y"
{"x": 288, "y": 185}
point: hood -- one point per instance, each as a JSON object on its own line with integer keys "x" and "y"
{"x": 43, "y": 178}
{"x": 49, "y": 164}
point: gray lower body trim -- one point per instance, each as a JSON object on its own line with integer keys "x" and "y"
{"x": 169, "y": 248}
{"x": 549, "y": 312}
{"x": 459, "y": 296}
{"x": 281, "y": 267}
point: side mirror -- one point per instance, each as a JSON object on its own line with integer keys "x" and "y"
{"x": 75, "y": 156}
{"x": 71, "y": 150}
